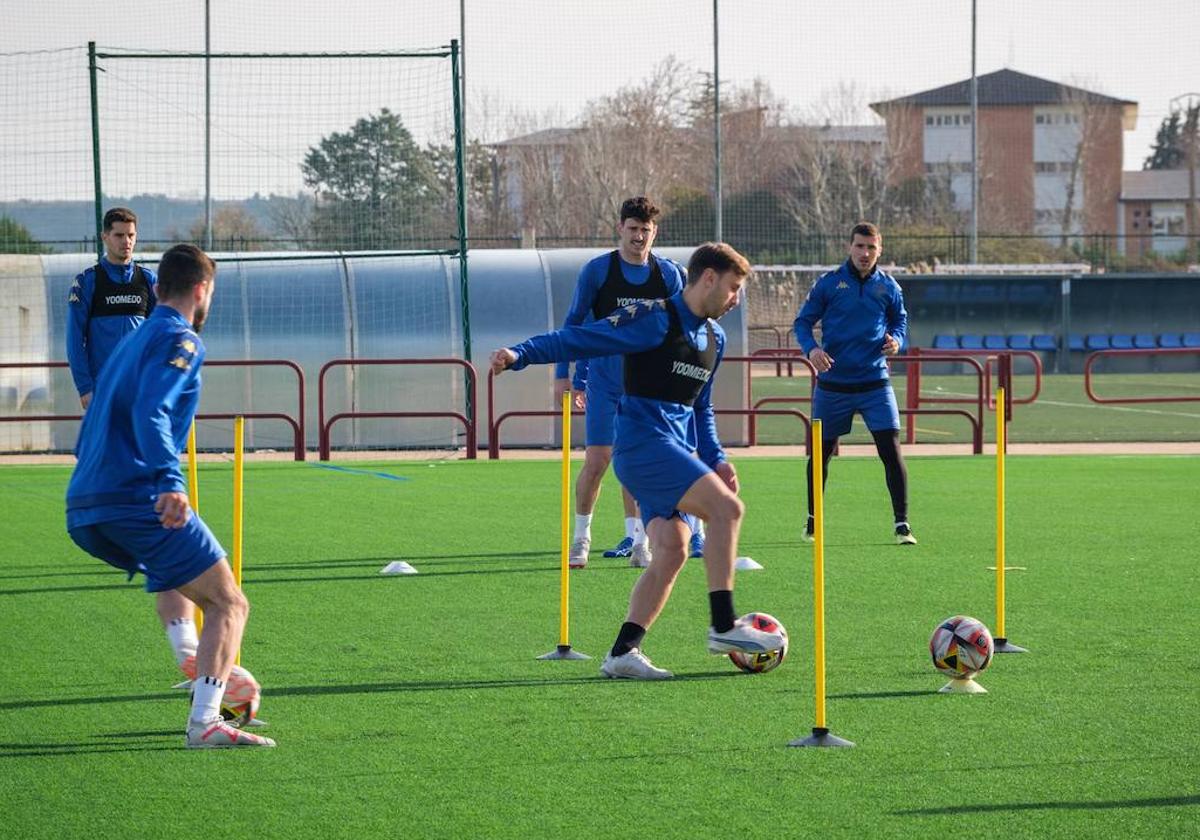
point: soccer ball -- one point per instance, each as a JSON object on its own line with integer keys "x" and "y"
{"x": 961, "y": 647}
{"x": 239, "y": 705}
{"x": 760, "y": 663}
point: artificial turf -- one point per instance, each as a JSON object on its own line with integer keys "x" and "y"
{"x": 414, "y": 707}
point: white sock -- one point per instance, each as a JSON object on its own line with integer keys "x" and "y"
{"x": 631, "y": 526}
{"x": 181, "y": 633}
{"x": 700, "y": 527}
{"x": 206, "y": 699}
{"x": 583, "y": 526}
{"x": 639, "y": 531}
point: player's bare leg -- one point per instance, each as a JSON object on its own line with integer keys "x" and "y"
{"x": 668, "y": 539}
{"x": 587, "y": 490}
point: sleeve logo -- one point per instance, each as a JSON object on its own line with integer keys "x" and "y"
{"x": 634, "y": 310}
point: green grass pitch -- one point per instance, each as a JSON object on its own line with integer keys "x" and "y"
{"x": 414, "y": 707}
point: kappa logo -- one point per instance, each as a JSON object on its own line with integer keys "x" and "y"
{"x": 842, "y": 284}
{"x": 634, "y": 310}
{"x": 181, "y": 363}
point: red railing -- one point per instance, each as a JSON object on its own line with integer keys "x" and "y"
{"x": 469, "y": 423}
{"x": 991, "y": 357}
{"x": 794, "y": 355}
{"x": 783, "y": 339}
{"x": 913, "y": 394}
{"x": 493, "y": 422}
{"x": 1157, "y": 351}
{"x": 297, "y": 423}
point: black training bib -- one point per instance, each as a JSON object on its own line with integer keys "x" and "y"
{"x": 110, "y": 298}
{"x": 675, "y": 371}
{"x": 617, "y": 291}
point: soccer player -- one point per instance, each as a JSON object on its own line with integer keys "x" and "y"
{"x": 627, "y": 275}
{"x": 861, "y": 311}
{"x": 127, "y": 500}
{"x": 107, "y": 302}
{"x": 672, "y": 349}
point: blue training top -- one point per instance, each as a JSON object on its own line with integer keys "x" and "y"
{"x": 138, "y": 421}
{"x": 855, "y": 314}
{"x": 91, "y": 338}
{"x": 640, "y": 418}
{"x": 605, "y": 372}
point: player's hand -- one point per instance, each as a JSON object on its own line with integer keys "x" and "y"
{"x": 561, "y": 386}
{"x": 86, "y": 400}
{"x": 172, "y": 509}
{"x": 890, "y": 345}
{"x": 502, "y": 359}
{"x": 580, "y": 400}
{"x": 728, "y": 474}
{"x": 821, "y": 360}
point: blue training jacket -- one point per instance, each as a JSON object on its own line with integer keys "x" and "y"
{"x": 855, "y": 314}
{"x": 605, "y": 372}
{"x": 640, "y": 418}
{"x": 138, "y": 421}
{"x": 91, "y": 340}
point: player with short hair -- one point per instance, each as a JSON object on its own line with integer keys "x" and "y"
{"x": 127, "y": 499}
{"x": 629, "y": 274}
{"x": 862, "y": 316}
{"x": 671, "y": 350}
{"x": 107, "y": 302}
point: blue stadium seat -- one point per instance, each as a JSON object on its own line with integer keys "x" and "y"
{"x": 1170, "y": 340}
{"x": 970, "y": 342}
{"x": 1144, "y": 341}
{"x": 1019, "y": 342}
{"x": 1075, "y": 342}
{"x": 945, "y": 342}
{"x": 994, "y": 342}
{"x": 937, "y": 293}
{"x": 1042, "y": 341}
{"x": 1097, "y": 341}
{"x": 1191, "y": 339}
{"x": 1122, "y": 341}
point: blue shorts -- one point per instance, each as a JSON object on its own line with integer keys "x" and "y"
{"x": 599, "y": 416}
{"x": 836, "y": 410}
{"x": 168, "y": 557}
{"x": 658, "y": 472}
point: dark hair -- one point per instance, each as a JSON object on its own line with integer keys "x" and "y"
{"x": 719, "y": 257}
{"x": 640, "y": 208}
{"x": 182, "y": 268}
{"x": 118, "y": 214}
{"x": 865, "y": 229}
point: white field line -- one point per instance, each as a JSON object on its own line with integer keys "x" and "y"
{"x": 1091, "y": 405}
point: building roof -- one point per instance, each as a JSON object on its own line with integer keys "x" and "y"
{"x": 545, "y": 137}
{"x": 869, "y": 134}
{"x": 1156, "y": 185}
{"x": 1003, "y": 87}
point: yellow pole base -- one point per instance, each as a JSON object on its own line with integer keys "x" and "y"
{"x": 967, "y": 686}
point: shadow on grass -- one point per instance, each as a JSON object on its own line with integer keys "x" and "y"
{"x": 882, "y": 695}
{"x": 97, "y": 587}
{"x": 427, "y": 559}
{"x": 1154, "y": 802}
{"x": 109, "y": 743}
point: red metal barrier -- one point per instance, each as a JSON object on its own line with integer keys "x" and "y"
{"x": 782, "y": 339}
{"x": 795, "y": 356}
{"x": 469, "y": 423}
{"x": 1156, "y": 351}
{"x": 913, "y": 393}
{"x": 297, "y": 423}
{"x": 991, "y": 357}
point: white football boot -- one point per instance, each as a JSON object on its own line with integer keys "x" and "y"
{"x": 742, "y": 637}
{"x": 577, "y": 557}
{"x": 639, "y": 556}
{"x": 632, "y": 666}
{"x": 218, "y": 734}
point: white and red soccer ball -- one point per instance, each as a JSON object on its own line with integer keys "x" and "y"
{"x": 760, "y": 663}
{"x": 961, "y": 647}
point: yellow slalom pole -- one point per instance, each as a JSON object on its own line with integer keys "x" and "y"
{"x": 194, "y": 499}
{"x": 818, "y": 492}
{"x": 564, "y": 605}
{"x": 239, "y": 427}
{"x": 1001, "y": 445}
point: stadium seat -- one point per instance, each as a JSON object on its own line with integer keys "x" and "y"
{"x": 1170, "y": 340}
{"x": 1019, "y": 342}
{"x": 1097, "y": 341}
{"x": 1122, "y": 341}
{"x": 1042, "y": 341}
{"x": 937, "y": 293}
{"x": 1144, "y": 341}
{"x": 970, "y": 342}
{"x": 945, "y": 342}
{"x": 994, "y": 342}
{"x": 1075, "y": 342}
{"x": 1191, "y": 339}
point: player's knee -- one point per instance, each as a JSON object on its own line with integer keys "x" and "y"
{"x": 729, "y": 508}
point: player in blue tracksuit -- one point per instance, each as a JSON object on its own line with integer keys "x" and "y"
{"x": 629, "y": 274}
{"x": 107, "y": 302}
{"x": 127, "y": 500}
{"x": 672, "y": 348}
{"x": 861, "y": 311}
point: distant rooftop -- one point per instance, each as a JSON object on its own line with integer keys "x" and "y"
{"x": 1003, "y": 87}
{"x": 1156, "y": 185}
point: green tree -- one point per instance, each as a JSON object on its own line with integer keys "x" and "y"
{"x": 1170, "y": 144}
{"x": 15, "y": 238}
{"x": 373, "y": 185}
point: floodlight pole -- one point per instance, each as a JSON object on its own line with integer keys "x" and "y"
{"x": 974, "y": 145}
{"x": 208, "y": 221}
{"x": 718, "y": 228}
{"x": 98, "y": 199}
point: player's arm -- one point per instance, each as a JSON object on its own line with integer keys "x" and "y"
{"x": 897, "y": 324}
{"x": 708, "y": 443}
{"x": 810, "y": 313}
{"x": 616, "y": 335}
{"x": 152, "y": 282}
{"x": 581, "y": 308}
{"x": 167, "y": 371}
{"x": 79, "y": 304}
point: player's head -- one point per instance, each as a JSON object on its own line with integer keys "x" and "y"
{"x": 119, "y": 233}
{"x": 866, "y": 244}
{"x": 717, "y": 273}
{"x": 637, "y": 228}
{"x": 186, "y": 276}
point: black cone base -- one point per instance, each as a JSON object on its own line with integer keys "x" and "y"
{"x": 564, "y": 652}
{"x": 821, "y": 737}
{"x": 1003, "y": 645}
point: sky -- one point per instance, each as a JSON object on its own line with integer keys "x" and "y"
{"x": 539, "y": 61}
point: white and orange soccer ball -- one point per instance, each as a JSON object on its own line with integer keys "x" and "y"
{"x": 961, "y": 647}
{"x": 243, "y": 694}
{"x": 760, "y": 663}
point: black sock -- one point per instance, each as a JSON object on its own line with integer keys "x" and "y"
{"x": 631, "y": 636}
{"x": 721, "y": 604}
{"x": 887, "y": 444}
{"x": 827, "y": 454}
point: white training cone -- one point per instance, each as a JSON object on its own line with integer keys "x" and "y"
{"x": 397, "y": 567}
{"x": 746, "y": 564}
